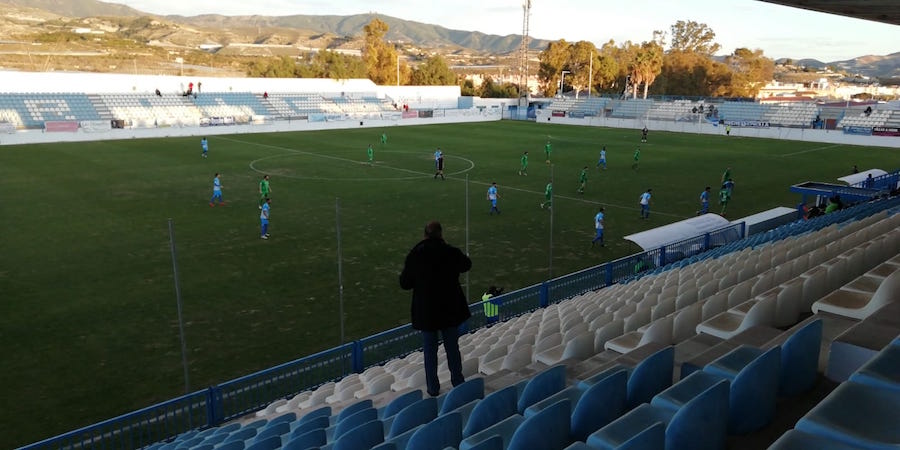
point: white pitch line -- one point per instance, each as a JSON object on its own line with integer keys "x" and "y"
{"x": 825, "y": 147}
{"x": 416, "y": 172}
{"x": 320, "y": 155}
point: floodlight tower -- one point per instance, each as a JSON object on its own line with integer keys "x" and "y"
{"x": 523, "y": 51}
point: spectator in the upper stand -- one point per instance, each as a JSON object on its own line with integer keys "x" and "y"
{"x": 868, "y": 110}
{"x": 832, "y": 206}
{"x": 266, "y": 94}
{"x": 439, "y": 307}
{"x": 813, "y": 212}
{"x": 158, "y": 94}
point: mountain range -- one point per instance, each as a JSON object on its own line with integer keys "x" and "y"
{"x": 878, "y": 66}
{"x": 403, "y": 31}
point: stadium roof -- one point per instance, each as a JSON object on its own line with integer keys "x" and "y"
{"x": 678, "y": 231}
{"x": 861, "y": 176}
{"x": 887, "y": 11}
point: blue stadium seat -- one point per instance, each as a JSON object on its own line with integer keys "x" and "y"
{"x": 650, "y": 438}
{"x": 316, "y": 423}
{"x": 227, "y": 429}
{"x": 241, "y": 435}
{"x": 440, "y": 433}
{"x": 541, "y": 386}
{"x": 312, "y": 439}
{"x": 353, "y": 409}
{"x": 800, "y": 360}
{"x": 883, "y": 370}
{"x": 593, "y": 406}
{"x": 188, "y": 442}
{"x": 351, "y": 422}
{"x": 385, "y": 446}
{"x": 414, "y": 415}
{"x": 798, "y": 440}
{"x": 464, "y": 393}
{"x": 495, "y": 407}
{"x": 397, "y": 404}
{"x": 753, "y": 374}
{"x": 494, "y": 442}
{"x": 287, "y": 418}
{"x": 599, "y": 405}
{"x": 215, "y": 439}
{"x": 233, "y": 445}
{"x": 270, "y": 443}
{"x": 857, "y": 415}
{"x": 259, "y": 423}
{"x": 362, "y": 437}
{"x": 546, "y": 430}
{"x": 650, "y": 377}
{"x": 324, "y": 411}
{"x": 270, "y": 430}
{"x": 582, "y": 446}
{"x": 703, "y": 414}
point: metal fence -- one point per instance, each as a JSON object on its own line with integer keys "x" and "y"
{"x": 139, "y": 428}
{"x": 236, "y": 398}
{"x": 886, "y": 182}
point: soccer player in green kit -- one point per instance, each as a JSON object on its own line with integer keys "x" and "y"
{"x": 264, "y": 190}
{"x": 371, "y": 153}
{"x": 383, "y": 138}
{"x": 724, "y": 197}
{"x": 524, "y": 169}
{"x": 548, "y": 196}
{"x": 637, "y": 158}
{"x": 582, "y": 179}
{"x": 548, "y": 149}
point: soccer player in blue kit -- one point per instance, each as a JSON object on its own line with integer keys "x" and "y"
{"x": 492, "y": 196}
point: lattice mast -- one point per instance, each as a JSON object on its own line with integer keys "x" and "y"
{"x": 523, "y": 51}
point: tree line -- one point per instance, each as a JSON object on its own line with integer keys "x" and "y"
{"x": 685, "y": 65}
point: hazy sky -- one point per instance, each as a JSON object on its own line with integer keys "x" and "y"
{"x": 779, "y": 30}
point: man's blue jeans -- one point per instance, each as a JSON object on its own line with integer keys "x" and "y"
{"x": 454, "y": 360}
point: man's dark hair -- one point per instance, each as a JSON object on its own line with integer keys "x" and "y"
{"x": 433, "y": 230}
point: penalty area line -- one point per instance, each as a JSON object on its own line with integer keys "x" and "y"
{"x": 824, "y": 147}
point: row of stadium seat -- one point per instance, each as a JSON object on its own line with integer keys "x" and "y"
{"x": 817, "y": 250}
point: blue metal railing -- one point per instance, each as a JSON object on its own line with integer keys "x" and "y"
{"x": 139, "y": 428}
{"x": 884, "y": 182}
{"x": 235, "y": 398}
{"x": 387, "y": 345}
{"x": 253, "y": 392}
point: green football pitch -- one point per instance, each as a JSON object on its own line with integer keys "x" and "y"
{"x": 88, "y": 321}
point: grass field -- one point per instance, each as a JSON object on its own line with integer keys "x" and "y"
{"x": 88, "y": 318}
